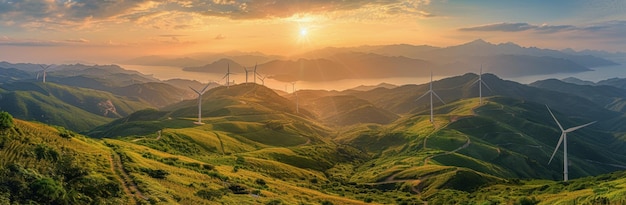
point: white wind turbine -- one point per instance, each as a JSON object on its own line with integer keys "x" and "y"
{"x": 255, "y": 73}
{"x": 43, "y": 68}
{"x": 293, "y": 84}
{"x": 431, "y": 92}
{"x": 200, "y": 102}
{"x": 262, "y": 79}
{"x": 247, "y": 71}
{"x": 564, "y": 140}
{"x": 480, "y": 86}
{"x": 227, "y": 76}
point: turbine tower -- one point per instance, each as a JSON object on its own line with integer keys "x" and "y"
{"x": 431, "y": 92}
{"x": 480, "y": 86}
{"x": 247, "y": 71}
{"x": 44, "y": 68}
{"x": 564, "y": 140}
{"x": 293, "y": 84}
{"x": 227, "y": 76}
{"x": 200, "y": 102}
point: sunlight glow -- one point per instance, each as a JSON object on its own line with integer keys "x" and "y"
{"x": 303, "y": 32}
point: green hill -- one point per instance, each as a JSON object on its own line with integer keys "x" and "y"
{"x": 347, "y": 110}
{"x": 611, "y": 98}
{"x": 75, "y": 108}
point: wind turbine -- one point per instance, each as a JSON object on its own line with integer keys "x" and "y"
{"x": 293, "y": 84}
{"x": 44, "y": 68}
{"x": 255, "y": 73}
{"x": 480, "y": 86}
{"x": 227, "y": 76}
{"x": 564, "y": 140}
{"x": 247, "y": 71}
{"x": 262, "y": 79}
{"x": 200, "y": 102}
{"x": 431, "y": 92}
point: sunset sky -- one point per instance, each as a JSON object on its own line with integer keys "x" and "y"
{"x": 106, "y": 31}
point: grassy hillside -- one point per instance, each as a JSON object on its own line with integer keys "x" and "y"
{"x": 75, "y": 108}
{"x": 47, "y": 165}
{"x": 344, "y": 110}
{"x": 610, "y": 97}
{"x": 503, "y": 139}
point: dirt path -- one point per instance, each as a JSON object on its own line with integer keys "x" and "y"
{"x": 131, "y": 200}
{"x": 130, "y": 188}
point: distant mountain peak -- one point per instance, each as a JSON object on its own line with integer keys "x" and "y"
{"x": 479, "y": 41}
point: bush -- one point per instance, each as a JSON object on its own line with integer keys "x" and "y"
{"x": 209, "y": 194}
{"x": 6, "y": 121}
{"x": 155, "y": 173}
{"x": 274, "y": 202}
{"x": 208, "y": 166}
{"x": 46, "y": 190}
{"x": 327, "y": 203}
{"x": 260, "y": 182}
{"x": 527, "y": 201}
{"x": 238, "y": 189}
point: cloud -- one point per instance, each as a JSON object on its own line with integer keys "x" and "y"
{"x": 74, "y": 14}
{"x": 504, "y": 27}
{"x": 220, "y": 37}
{"x": 605, "y": 28}
{"x": 81, "y": 40}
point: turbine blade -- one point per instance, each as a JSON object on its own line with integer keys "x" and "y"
{"x": 483, "y": 82}
{"x": 578, "y": 127}
{"x": 195, "y": 90}
{"x": 426, "y": 93}
{"x": 438, "y": 97}
{"x": 557, "y": 122}
{"x": 557, "y": 146}
{"x": 205, "y": 87}
{"x": 475, "y": 82}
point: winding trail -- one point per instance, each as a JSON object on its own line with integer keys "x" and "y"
{"x": 221, "y": 143}
{"x": 450, "y": 152}
{"x": 129, "y": 186}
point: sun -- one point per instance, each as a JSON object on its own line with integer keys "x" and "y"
{"x": 303, "y": 32}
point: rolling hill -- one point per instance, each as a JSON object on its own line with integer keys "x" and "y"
{"x": 78, "y": 109}
{"x": 610, "y": 97}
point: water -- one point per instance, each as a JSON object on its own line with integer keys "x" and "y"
{"x": 598, "y": 74}
{"x": 170, "y": 72}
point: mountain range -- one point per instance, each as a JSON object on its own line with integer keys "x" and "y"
{"x": 389, "y": 61}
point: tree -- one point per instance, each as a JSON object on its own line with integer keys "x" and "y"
{"x": 6, "y": 120}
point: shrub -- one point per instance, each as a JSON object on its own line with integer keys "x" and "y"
{"x": 260, "y": 182}
{"x": 46, "y": 190}
{"x": 208, "y": 166}
{"x": 527, "y": 201}
{"x": 155, "y": 173}
{"x": 238, "y": 189}
{"x": 209, "y": 194}
{"x": 6, "y": 121}
{"x": 327, "y": 203}
{"x": 274, "y": 202}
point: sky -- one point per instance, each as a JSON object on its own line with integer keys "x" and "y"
{"x": 109, "y": 31}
